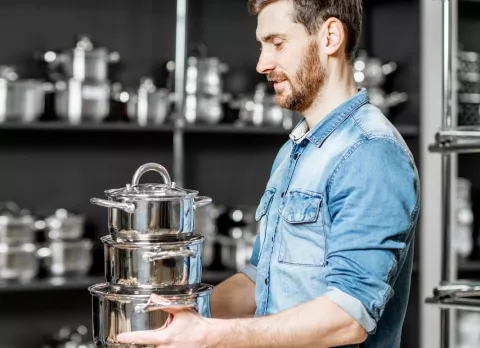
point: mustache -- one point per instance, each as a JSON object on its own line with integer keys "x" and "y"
{"x": 276, "y": 76}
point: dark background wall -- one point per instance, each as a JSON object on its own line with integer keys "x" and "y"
{"x": 48, "y": 169}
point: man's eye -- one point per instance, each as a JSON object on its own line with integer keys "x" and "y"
{"x": 278, "y": 45}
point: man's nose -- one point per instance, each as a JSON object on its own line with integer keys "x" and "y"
{"x": 266, "y": 63}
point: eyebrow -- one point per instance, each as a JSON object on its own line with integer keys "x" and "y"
{"x": 270, "y": 37}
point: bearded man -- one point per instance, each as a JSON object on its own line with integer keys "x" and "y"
{"x": 333, "y": 258}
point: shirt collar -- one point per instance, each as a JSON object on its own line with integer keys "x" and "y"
{"x": 326, "y": 127}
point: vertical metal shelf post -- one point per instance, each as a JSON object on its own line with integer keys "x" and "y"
{"x": 180, "y": 62}
{"x": 448, "y": 272}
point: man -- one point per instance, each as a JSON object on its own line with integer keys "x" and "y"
{"x": 332, "y": 262}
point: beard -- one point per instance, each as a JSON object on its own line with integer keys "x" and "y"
{"x": 308, "y": 80}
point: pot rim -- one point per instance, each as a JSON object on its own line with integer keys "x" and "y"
{"x": 151, "y": 192}
{"x": 170, "y": 241}
{"x": 117, "y": 292}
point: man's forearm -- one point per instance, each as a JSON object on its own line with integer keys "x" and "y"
{"x": 319, "y": 323}
{"x": 234, "y": 298}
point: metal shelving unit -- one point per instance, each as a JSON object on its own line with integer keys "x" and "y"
{"x": 451, "y": 140}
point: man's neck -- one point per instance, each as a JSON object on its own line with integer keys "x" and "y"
{"x": 339, "y": 87}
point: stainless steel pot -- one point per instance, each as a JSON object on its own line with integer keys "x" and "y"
{"x": 21, "y": 100}
{"x": 117, "y": 310}
{"x": 64, "y": 225}
{"x": 18, "y": 262}
{"x": 236, "y": 248}
{"x": 77, "y": 101}
{"x": 68, "y": 257}
{"x": 83, "y": 62}
{"x": 149, "y": 104}
{"x": 17, "y": 229}
{"x": 153, "y": 265}
{"x": 149, "y": 212}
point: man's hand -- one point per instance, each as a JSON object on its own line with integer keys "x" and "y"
{"x": 300, "y": 327}
{"x": 183, "y": 329}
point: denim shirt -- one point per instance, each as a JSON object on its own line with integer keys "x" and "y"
{"x": 338, "y": 219}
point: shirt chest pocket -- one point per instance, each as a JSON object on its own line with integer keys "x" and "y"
{"x": 302, "y": 229}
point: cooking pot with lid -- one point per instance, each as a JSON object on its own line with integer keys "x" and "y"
{"x": 149, "y": 212}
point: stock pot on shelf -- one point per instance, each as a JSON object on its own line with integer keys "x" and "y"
{"x": 153, "y": 265}
{"x": 149, "y": 212}
{"x": 117, "y": 310}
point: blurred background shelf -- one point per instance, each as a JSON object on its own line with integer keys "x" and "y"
{"x": 405, "y": 129}
{"x": 84, "y": 127}
{"x": 212, "y": 277}
{"x": 51, "y": 284}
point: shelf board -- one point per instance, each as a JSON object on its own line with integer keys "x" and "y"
{"x": 231, "y": 129}
{"x": 82, "y": 127}
{"x": 51, "y": 284}
{"x": 82, "y": 283}
{"x": 406, "y": 130}
{"x": 469, "y": 266}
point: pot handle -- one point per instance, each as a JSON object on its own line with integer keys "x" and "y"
{"x": 151, "y": 167}
{"x": 202, "y": 201}
{"x": 161, "y": 255}
{"x": 164, "y": 303}
{"x": 127, "y": 207}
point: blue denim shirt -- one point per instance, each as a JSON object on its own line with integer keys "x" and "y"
{"x": 338, "y": 218}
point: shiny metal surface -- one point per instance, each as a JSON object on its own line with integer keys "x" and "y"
{"x": 68, "y": 257}
{"x": 126, "y": 207}
{"x": 82, "y": 62}
{"x": 152, "y": 220}
{"x": 116, "y": 312}
{"x": 18, "y": 262}
{"x": 16, "y": 230}
{"x": 153, "y": 265}
{"x": 77, "y": 101}
{"x": 148, "y": 212}
{"x": 151, "y": 167}
{"x": 64, "y": 225}
{"x": 447, "y": 122}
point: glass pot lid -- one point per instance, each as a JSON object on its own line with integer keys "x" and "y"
{"x": 166, "y": 191}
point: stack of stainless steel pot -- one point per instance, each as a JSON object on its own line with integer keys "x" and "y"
{"x": 82, "y": 85}
{"x": 151, "y": 250}
{"x": 67, "y": 253}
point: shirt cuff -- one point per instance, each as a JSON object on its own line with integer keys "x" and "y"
{"x": 353, "y": 307}
{"x": 250, "y": 271}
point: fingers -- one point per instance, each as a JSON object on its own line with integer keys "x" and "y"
{"x": 142, "y": 337}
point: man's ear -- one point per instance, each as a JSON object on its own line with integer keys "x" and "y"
{"x": 331, "y": 36}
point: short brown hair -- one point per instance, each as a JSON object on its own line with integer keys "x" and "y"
{"x": 312, "y": 13}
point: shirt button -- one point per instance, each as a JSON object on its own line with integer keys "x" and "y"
{"x": 266, "y": 281}
{"x": 295, "y": 157}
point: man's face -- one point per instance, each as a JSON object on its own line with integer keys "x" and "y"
{"x": 290, "y": 57}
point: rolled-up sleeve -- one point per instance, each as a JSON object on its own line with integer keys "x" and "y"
{"x": 251, "y": 269}
{"x": 373, "y": 203}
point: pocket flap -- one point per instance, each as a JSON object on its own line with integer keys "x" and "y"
{"x": 264, "y": 203}
{"x": 301, "y": 206}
